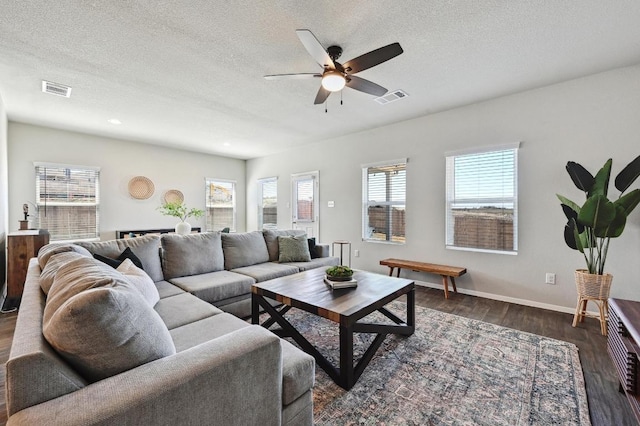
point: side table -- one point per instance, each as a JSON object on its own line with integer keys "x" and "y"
{"x": 342, "y": 243}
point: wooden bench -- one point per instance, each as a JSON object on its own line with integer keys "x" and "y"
{"x": 445, "y": 271}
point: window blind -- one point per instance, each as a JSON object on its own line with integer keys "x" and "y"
{"x": 304, "y": 207}
{"x": 268, "y": 203}
{"x": 68, "y": 200}
{"x": 220, "y": 204}
{"x": 482, "y": 200}
{"x": 384, "y": 197}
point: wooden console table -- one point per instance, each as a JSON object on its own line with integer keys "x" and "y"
{"x": 139, "y": 232}
{"x": 623, "y": 340}
{"x": 21, "y": 246}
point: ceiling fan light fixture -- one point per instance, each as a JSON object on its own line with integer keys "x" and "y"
{"x": 333, "y": 81}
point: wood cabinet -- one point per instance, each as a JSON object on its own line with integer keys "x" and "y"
{"x": 623, "y": 342}
{"x": 21, "y": 246}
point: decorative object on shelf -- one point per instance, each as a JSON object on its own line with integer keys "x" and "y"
{"x": 182, "y": 212}
{"x": 141, "y": 187}
{"x": 24, "y": 224}
{"x": 173, "y": 196}
{"x": 591, "y": 226}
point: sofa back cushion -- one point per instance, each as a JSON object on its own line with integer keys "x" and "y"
{"x": 192, "y": 254}
{"x": 271, "y": 239}
{"x": 100, "y": 323}
{"x": 146, "y": 248}
{"x": 244, "y": 249}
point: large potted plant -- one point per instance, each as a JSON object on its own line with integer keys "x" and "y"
{"x": 182, "y": 212}
{"x": 591, "y": 226}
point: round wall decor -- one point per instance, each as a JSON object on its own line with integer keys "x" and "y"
{"x": 173, "y": 196}
{"x": 141, "y": 187}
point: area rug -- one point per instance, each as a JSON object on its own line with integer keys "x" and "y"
{"x": 451, "y": 371}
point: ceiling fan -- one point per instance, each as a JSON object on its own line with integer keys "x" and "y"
{"x": 336, "y": 76}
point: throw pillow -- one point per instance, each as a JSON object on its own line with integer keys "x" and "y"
{"x": 114, "y": 263}
{"x": 45, "y": 252}
{"x": 100, "y": 323}
{"x": 294, "y": 249}
{"x": 312, "y": 248}
{"x": 54, "y": 263}
{"x": 271, "y": 239}
{"x": 140, "y": 280}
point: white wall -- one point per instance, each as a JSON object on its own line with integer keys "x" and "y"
{"x": 119, "y": 161}
{"x": 586, "y": 120}
{"x": 4, "y": 195}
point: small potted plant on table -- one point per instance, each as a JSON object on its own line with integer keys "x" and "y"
{"x": 182, "y": 212}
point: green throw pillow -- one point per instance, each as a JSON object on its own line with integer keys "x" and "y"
{"x": 294, "y": 248}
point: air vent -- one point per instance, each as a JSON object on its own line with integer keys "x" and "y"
{"x": 391, "y": 97}
{"x": 56, "y": 89}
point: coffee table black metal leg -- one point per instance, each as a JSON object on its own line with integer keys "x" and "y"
{"x": 255, "y": 309}
{"x": 411, "y": 309}
{"x": 346, "y": 357}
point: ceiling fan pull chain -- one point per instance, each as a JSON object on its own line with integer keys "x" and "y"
{"x": 341, "y": 97}
{"x": 325, "y": 107}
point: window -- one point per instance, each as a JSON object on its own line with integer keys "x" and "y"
{"x": 220, "y": 205}
{"x": 481, "y": 211}
{"x": 384, "y": 194}
{"x": 68, "y": 200}
{"x": 268, "y": 203}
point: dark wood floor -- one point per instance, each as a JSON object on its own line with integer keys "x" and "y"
{"x": 606, "y": 406}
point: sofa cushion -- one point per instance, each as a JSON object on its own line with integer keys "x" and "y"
{"x": 198, "y": 332}
{"x": 215, "y": 286}
{"x": 294, "y": 248}
{"x": 184, "y": 308}
{"x": 244, "y": 249}
{"x": 267, "y": 271}
{"x": 271, "y": 239}
{"x": 114, "y": 263}
{"x": 140, "y": 280}
{"x": 298, "y": 372}
{"x": 146, "y": 248}
{"x": 100, "y": 323}
{"x": 192, "y": 254}
{"x": 45, "y": 252}
{"x": 319, "y": 262}
{"x": 166, "y": 289}
{"x": 53, "y": 264}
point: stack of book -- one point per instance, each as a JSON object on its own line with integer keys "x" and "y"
{"x": 336, "y": 285}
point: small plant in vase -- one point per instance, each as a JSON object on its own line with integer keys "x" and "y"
{"x": 182, "y": 212}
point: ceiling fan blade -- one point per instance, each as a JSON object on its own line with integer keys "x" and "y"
{"x": 291, "y": 76}
{"x": 322, "y": 96}
{"x": 365, "y": 86}
{"x": 372, "y": 58}
{"x": 315, "y": 49}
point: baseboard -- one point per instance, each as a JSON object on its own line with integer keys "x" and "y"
{"x": 501, "y": 298}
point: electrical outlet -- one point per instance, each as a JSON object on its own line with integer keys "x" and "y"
{"x": 356, "y": 253}
{"x": 550, "y": 278}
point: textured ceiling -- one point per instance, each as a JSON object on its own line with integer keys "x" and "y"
{"x": 190, "y": 74}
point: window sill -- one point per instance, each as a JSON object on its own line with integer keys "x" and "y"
{"x": 510, "y": 252}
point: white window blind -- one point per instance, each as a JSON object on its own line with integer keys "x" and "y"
{"x": 481, "y": 205}
{"x": 268, "y": 203}
{"x": 68, "y": 200}
{"x": 384, "y": 197}
{"x": 304, "y": 200}
{"x": 220, "y": 204}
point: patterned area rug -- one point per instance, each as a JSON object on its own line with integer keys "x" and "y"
{"x": 451, "y": 371}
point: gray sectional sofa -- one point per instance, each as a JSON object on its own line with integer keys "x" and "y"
{"x": 94, "y": 345}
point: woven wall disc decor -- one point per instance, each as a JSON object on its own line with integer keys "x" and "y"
{"x": 141, "y": 188}
{"x": 173, "y": 196}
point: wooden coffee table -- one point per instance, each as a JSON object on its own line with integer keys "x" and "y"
{"x": 307, "y": 291}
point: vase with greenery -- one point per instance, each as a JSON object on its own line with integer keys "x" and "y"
{"x": 182, "y": 212}
{"x": 591, "y": 226}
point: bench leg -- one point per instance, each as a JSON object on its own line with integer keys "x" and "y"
{"x": 445, "y": 282}
{"x": 453, "y": 283}
{"x": 390, "y": 271}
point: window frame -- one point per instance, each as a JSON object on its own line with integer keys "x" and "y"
{"x": 260, "y": 196}
{"x": 450, "y": 197}
{"x": 367, "y": 203}
{"x": 208, "y": 183}
{"x": 93, "y": 173}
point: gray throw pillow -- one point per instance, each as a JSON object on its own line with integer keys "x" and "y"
{"x": 192, "y": 254}
{"x": 45, "y": 252}
{"x": 244, "y": 249}
{"x": 100, "y": 323}
{"x": 54, "y": 263}
{"x": 271, "y": 238}
{"x": 140, "y": 280}
{"x": 294, "y": 249}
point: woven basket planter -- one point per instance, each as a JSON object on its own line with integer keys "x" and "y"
{"x": 593, "y": 286}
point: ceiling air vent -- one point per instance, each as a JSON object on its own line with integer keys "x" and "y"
{"x": 391, "y": 97}
{"x": 56, "y": 89}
